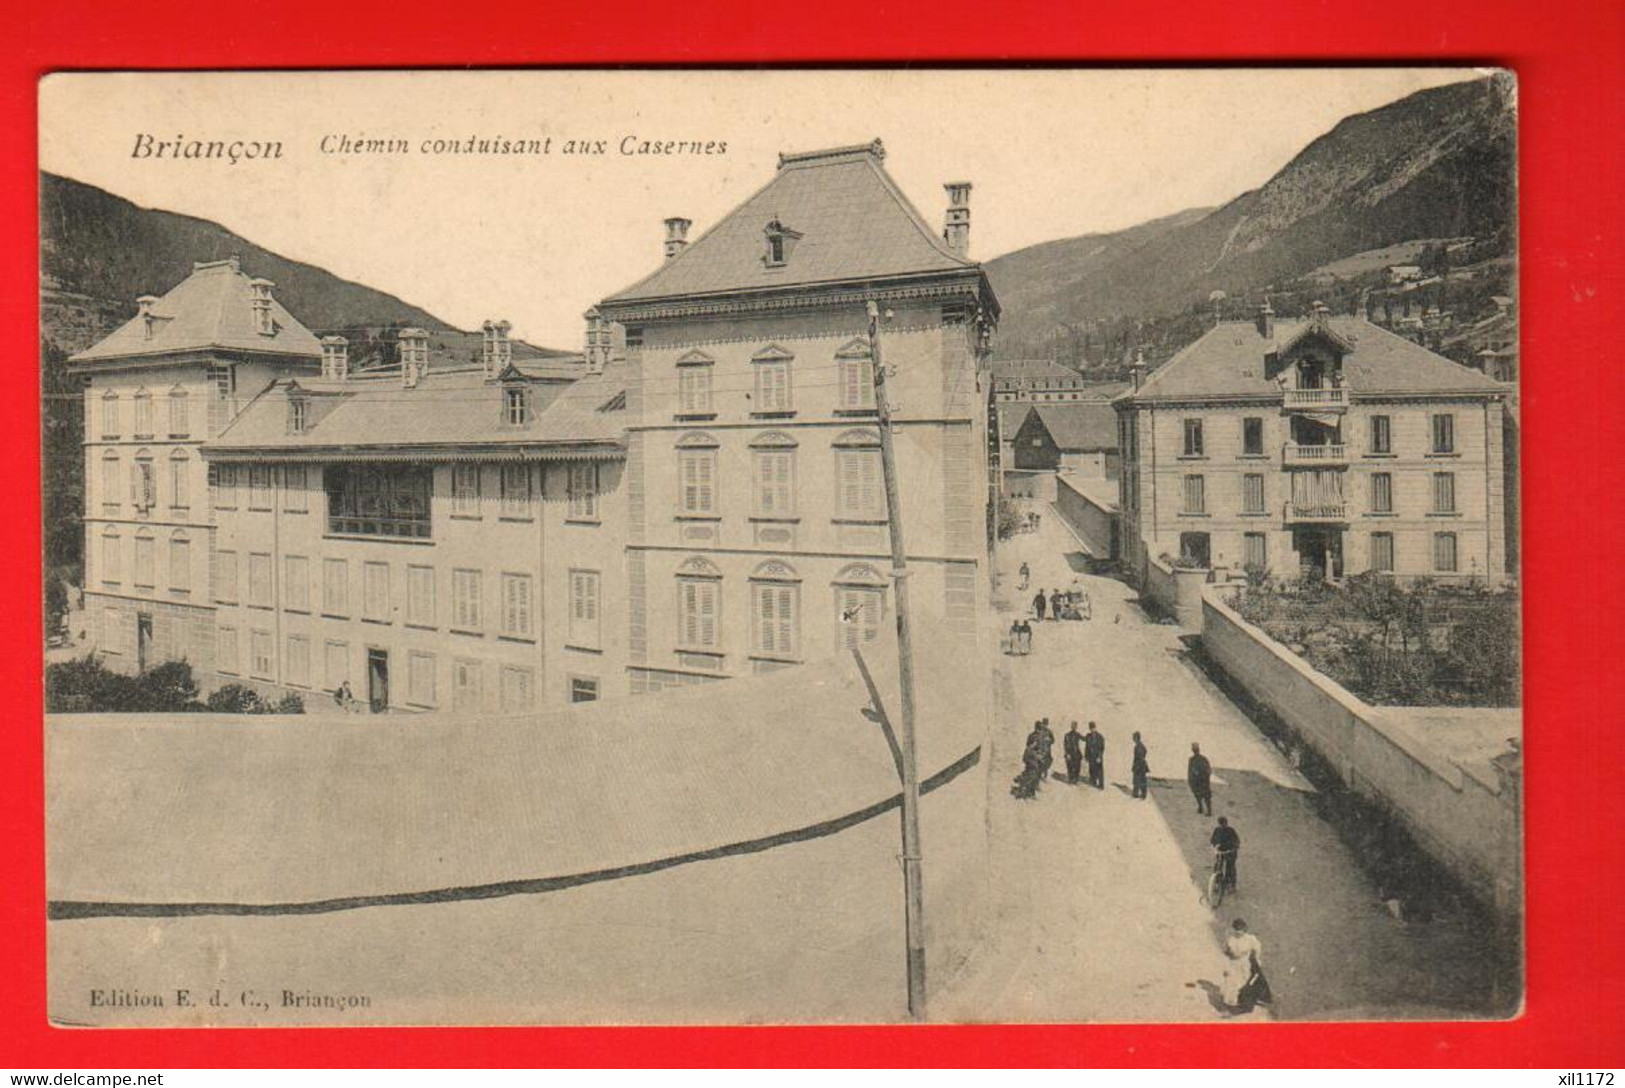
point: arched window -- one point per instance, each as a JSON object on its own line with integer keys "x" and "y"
{"x": 145, "y": 561}
{"x": 110, "y": 421}
{"x": 860, "y": 604}
{"x": 697, "y": 474}
{"x": 773, "y": 470}
{"x": 180, "y": 479}
{"x": 143, "y": 413}
{"x": 180, "y": 422}
{"x": 110, "y": 482}
{"x": 860, "y": 493}
{"x": 699, "y": 605}
{"x": 143, "y": 483}
{"x": 774, "y": 395}
{"x": 775, "y": 594}
{"x": 180, "y": 561}
{"x": 110, "y": 556}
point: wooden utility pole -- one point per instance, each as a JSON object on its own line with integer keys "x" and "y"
{"x": 913, "y": 896}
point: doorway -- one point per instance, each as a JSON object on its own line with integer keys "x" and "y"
{"x": 1320, "y": 553}
{"x": 143, "y": 641}
{"x": 378, "y": 680}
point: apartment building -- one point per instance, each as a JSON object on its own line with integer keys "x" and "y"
{"x": 757, "y": 533}
{"x": 156, "y": 389}
{"x": 440, "y": 538}
{"x": 1323, "y": 445}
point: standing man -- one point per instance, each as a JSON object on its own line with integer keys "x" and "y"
{"x": 1047, "y": 746}
{"x": 1039, "y": 603}
{"x": 1073, "y": 743}
{"x": 1094, "y": 751}
{"x": 1140, "y": 769}
{"x": 1055, "y": 604}
{"x": 1199, "y": 773}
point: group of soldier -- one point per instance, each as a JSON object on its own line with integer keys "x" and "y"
{"x": 1089, "y": 749}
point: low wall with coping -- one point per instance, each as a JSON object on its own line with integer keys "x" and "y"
{"x": 1090, "y": 515}
{"x": 1175, "y": 592}
{"x": 1466, "y": 812}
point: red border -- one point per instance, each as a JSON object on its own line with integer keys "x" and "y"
{"x": 1567, "y": 56}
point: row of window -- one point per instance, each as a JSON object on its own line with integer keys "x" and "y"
{"x": 1326, "y": 489}
{"x": 369, "y": 496}
{"x": 514, "y": 617}
{"x": 516, "y": 685}
{"x": 859, "y": 488}
{"x": 143, "y": 481}
{"x": 773, "y": 386}
{"x": 143, "y": 424}
{"x": 142, "y": 571}
{"x": 1382, "y": 556}
{"x": 775, "y": 608}
{"x": 1379, "y": 440}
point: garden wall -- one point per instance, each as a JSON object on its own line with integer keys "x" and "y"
{"x": 1090, "y": 515}
{"x": 1174, "y": 592}
{"x": 1459, "y": 807}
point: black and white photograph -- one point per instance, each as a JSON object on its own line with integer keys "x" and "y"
{"x": 801, "y": 546}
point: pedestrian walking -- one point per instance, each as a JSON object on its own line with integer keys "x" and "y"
{"x": 1026, "y": 574}
{"x": 1055, "y": 602}
{"x": 1244, "y": 986}
{"x": 1040, "y": 602}
{"x": 1140, "y": 769}
{"x": 1046, "y": 743}
{"x": 1199, "y": 773}
{"x": 1032, "y": 763}
{"x": 1072, "y": 744}
{"x": 1094, "y": 753}
{"x": 1024, "y": 644}
{"x": 1012, "y": 641}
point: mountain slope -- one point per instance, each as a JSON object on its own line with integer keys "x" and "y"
{"x": 1438, "y": 163}
{"x": 98, "y": 252}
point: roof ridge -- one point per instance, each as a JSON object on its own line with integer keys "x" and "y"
{"x": 874, "y": 149}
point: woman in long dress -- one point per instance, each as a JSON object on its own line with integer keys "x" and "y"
{"x": 1242, "y": 953}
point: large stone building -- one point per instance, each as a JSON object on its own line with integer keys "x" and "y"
{"x": 1324, "y": 445}
{"x": 156, "y": 389}
{"x": 757, "y": 523}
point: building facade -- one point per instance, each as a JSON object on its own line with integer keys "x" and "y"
{"x": 156, "y": 389}
{"x": 757, "y": 526}
{"x": 1324, "y": 446}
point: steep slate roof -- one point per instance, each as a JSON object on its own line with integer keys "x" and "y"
{"x": 445, "y": 409}
{"x": 1030, "y": 369}
{"x": 853, "y": 220}
{"x": 211, "y": 308}
{"x": 1228, "y": 361}
{"x": 1079, "y": 425}
{"x": 1012, "y": 414}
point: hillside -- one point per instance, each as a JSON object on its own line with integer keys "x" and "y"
{"x": 98, "y": 252}
{"x": 1436, "y": 164}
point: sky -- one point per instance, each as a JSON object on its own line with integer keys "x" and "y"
{"x": 538, "y": 238}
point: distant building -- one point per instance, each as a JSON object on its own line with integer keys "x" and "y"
{"x": 1400, "y": 273}
{"x": 1035, "y": 381}
{"x": 757, "y": 526}
{"x": 1073, "y": 438}
{"x": 1325, "y": 445}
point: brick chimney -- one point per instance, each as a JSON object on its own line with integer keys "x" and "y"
{"x": 335, "y": 358}
{"x": 676, "y": 235}
{"x": 414, "y": 356}
{"x": 260, "y": 298}
{"x": 1266, "y": 321}
{"x": 1136, "y": 372}
{"x": 956, "y": 221}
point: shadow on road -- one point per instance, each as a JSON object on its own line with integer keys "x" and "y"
{"x": 1332, "y": 950}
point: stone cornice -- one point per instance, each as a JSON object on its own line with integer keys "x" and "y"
{"x": 969, "y": 284}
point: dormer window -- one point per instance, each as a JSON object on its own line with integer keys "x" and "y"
{"x": 298, "y": 415}
{"x": 780, "y": 241}
{"x": 516, "y": 406}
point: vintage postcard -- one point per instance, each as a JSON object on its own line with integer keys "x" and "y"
{"x": 632, "y": 547}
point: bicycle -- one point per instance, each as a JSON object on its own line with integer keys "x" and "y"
{"x": 1222, "y": 879}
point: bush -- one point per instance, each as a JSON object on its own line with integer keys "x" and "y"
{"x": 290, "y": 704}
{"x": 89, "y": 686}
{"x": 235, "y": 699}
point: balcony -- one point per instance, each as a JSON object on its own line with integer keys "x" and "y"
{"x": 1321, "y": 512}
{"x": 1323, "y": 456}
{"x": 1315, "y": 400}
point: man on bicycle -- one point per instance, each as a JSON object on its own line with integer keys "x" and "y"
{"x": 1226, "y": 845}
